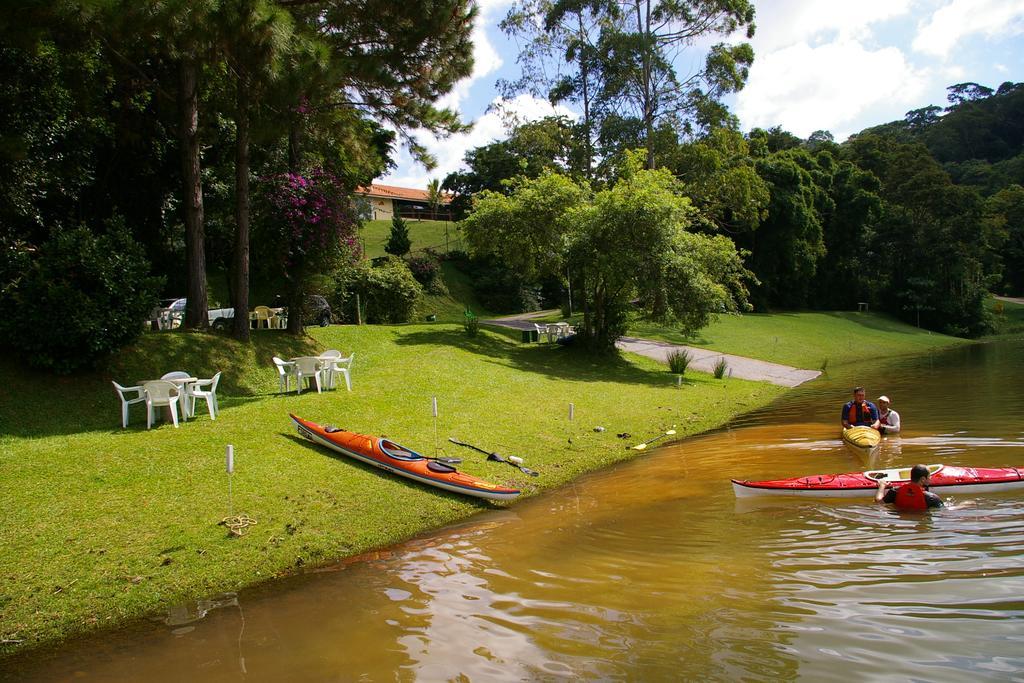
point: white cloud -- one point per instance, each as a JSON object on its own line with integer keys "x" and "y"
{"x": 486, "y": 59}
{"x": 784, "y": 22}
{"x": 961, "y": 18}
{"x": 828, "y": 86}
{"x": 487, "y": 129}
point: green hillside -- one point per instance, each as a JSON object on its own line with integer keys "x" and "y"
{"x": 424, "y": 234}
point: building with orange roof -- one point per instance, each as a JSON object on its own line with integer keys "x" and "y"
{"x": 387, "y": 200}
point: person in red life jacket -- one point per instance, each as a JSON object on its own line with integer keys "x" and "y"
{"x": 914, "y": 495}
{"x": 860, "y": 412}
{"x": 889, "y": 420}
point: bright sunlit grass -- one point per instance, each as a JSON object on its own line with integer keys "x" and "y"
{"x": 102, "y": 525}
{"x": 424, "y": 234}
{"x": 805, "y": 340}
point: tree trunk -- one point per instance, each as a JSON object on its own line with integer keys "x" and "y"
{"x": 296, "y": 302}
{"x": 587, "y": 120}
{"x": 192, "y": 188}
{"x": 240, "y": 275}
{"x": 644, "y": 28}
{"x": 296, "y": 293}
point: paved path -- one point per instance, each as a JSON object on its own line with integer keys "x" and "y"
{"x": 1011, "y": 299}
{"x": 703, "y": 360}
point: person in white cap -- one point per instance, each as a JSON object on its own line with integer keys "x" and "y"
{"x": 889, "y": 420}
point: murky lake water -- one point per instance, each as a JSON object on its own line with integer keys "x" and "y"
{"x": 653, "y": 571}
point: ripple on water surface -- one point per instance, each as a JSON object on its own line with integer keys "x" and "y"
{"x": 653, "y": 571}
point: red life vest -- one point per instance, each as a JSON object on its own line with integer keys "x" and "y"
{"x": 859, "y": 413}
{"x": 910, "y": 496}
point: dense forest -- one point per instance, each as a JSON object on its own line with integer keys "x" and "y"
{"x": 921, "y": 217}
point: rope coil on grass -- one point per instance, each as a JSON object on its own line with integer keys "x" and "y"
{"x": 238, "y": 524}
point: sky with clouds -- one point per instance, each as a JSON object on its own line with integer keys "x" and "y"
{"x": 819, "y": 65}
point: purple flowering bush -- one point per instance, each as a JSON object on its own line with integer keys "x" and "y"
{"x": 315, "y": 219}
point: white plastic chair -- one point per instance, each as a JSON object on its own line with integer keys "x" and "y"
{"x": 307, "y": 367}
{"x": 187, "y": 402}
{"x": 342, "y": 366}
{"x": 284, "y": 373}
{"x": 542, "y": 329}
{"x": 263, "y": 316}
{"x": 125, "y": 401}
{"x": 210, "y": 395}
{"x": 161, "y": 393}
{"x": 328, "y": 357}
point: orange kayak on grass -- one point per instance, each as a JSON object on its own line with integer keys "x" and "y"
{"x": 388, "y": 455}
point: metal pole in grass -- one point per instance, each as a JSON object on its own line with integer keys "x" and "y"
{"x": 572, "y": 411}
{"x": 433, "y": 411}
{"x": 230, "y": 466}
{"x": 236, "y": 524}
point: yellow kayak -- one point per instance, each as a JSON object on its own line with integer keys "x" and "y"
{"x": 862, "y": 438}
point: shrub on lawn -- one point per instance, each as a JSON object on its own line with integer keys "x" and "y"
{"x": 82, "y": 297}
{"x": 471, "y": 324}
{"x": 678, "y": 361}
{"x": 399, "y": 242}
{"x": 426, "y": 268}
{"x": 720, "y": 367}
{"x": 388, "y": 291}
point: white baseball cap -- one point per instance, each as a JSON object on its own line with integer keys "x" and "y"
{"x": 884, "y": 398}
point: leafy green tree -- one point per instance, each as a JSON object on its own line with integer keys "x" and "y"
{"x": 1005, "y": 214}
{"x": 931, "y": 242}
{"x": 720, "y": 178}
{"x": 551, "y": 143}
{"x": 623, "y": 244}
{"x": 398, "y": 241}
{"x": 788, "y": 245}
{"x": 308, "y": 222}
{"x": 434, "y": 196}
{"x": 844, "y": 276}
{"x": 643, "y": 40}
{"x": 618, "y": 60}
{"x": 257, "y": 35}
{"x": 79, "y": 297}
{"x": 558, "y": 35}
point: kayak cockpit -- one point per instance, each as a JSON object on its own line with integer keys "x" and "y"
{"x": 393, "y": 450}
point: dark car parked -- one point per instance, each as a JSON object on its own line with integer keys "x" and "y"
{"x": 316, "y": 312}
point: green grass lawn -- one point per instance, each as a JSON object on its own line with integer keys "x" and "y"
{"x": 803, "y": 340}
{"x": 806, "y": 340}
{"x": 104, "y": 525}
{"x": 1008, "y": 316}
{"x": 451, "y": 307}
{"x": 374, "y": 235}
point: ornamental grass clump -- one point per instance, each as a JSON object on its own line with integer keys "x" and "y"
{"x": 679, "y": 361}
{"x": 720, "y": 367}
{"x": 471, "y": 324}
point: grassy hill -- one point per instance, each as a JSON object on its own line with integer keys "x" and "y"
{"x": 374, "y": 235}
{"x": 452, "y": 306}
{"x": 805, "y": 339}
{"x": 104, "y": 525}
{"x": 1008, "y": 316}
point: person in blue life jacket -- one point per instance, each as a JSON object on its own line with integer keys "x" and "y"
{"x": 912, "y": 495}
{"x": 860, "y": 412}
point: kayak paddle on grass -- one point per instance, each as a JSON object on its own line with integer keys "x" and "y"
{"x": 496, "y": 457}
{"x": 645, "y": 444}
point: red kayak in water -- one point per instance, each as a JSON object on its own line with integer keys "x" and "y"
{"x": 388, "y": 455}
{"x": 944, "y": 479}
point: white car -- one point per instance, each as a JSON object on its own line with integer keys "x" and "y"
{"x": 171, "y": 314}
